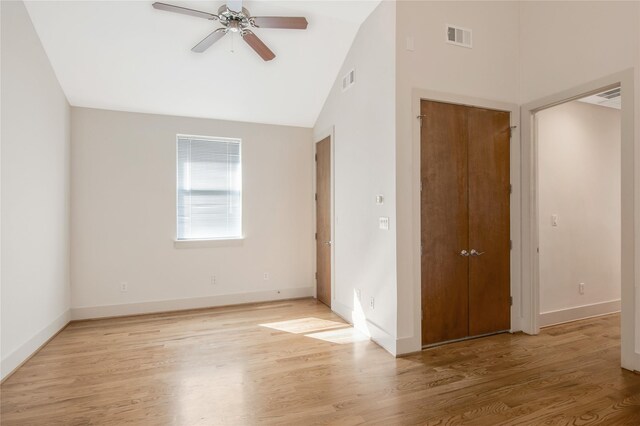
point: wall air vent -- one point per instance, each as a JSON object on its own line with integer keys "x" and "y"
{"x": 348, "y": 80}
{"x": 459, "y": 36}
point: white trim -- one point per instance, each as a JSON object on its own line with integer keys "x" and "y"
{"x": 218, "y": 242}
{"x": 414, "y": 343}
{"x": 382, "y": 338}
{"x": 208, "y": 138}
{"x": 630, "y": 359}
{"x": 91, "y": 312}
{"x": 377, "y": 334}
{"x": 29, "y": 348}
{"x": 405, "y": 346}
{"x": 579, "y": 312}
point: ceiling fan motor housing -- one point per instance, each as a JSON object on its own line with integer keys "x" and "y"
{"x": 234, "y": 21}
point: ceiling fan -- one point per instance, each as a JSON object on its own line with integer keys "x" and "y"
{"x": 237, "y": 19}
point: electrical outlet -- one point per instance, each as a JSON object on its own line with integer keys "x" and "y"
{"x": 124, "y": 286}
{"x": 581, "y": 288}
{"x": 265, "y": 276}
{"x": 213, "y": 280}
{"x": 372, "y": 303}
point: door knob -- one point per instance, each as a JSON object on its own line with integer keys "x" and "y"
{"x": 464, "y": 253}
{"x": 474, "y": 252}
{"x": 328, "y": 243}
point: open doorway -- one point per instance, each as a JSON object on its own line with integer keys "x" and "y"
{"x": 630, "y": 192}
{"x": 579, "y": 208}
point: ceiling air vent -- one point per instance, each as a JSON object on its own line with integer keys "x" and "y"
{"x": 610, "y": 94}
{"x": 609, "y": 98}
{"x": 348, "y": 80}
{"x": 459, "y": 36}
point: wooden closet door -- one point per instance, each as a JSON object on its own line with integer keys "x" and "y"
{"x": 323, "y": 221}
{"x": 489, "y": 193}
{"x": 445, "y": 222}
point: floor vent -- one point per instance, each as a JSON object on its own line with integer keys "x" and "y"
{"x": 459, "y": 36}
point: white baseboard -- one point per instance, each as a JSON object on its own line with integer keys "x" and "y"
{"x": 581, "y": 312}
{"x": 16, "y": 358}
{"x": 375, "y": 333}
{"x": 92, "y": 312}
{"x": 382, "y": 338}
{"x": 408, "y": 345}
{"x": 342, "y": 311}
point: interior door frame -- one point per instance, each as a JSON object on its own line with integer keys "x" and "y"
{"x": 630, "y": 359}
{"x": 319, "y": 137}
{"x": 418, "y": 95}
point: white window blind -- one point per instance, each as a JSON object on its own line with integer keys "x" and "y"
{"x": 209, "y": 188}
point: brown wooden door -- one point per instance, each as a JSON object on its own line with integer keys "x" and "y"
{"x": 465, "y": 206}
{"x": 323, "y": 221}
{"x": 445, "y": 223}
{"x": 489, "y": 192}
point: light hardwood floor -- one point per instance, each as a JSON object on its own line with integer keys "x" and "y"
{"x": 275, "y": 363}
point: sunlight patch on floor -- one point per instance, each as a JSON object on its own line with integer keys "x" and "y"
{"x": 305, "y": 325}
{"x": 341, "y": 336}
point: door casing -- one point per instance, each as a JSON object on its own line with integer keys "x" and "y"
{"x": 630, "y": 356}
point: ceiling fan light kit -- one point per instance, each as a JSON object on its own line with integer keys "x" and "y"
{"x": 237, "y": 19}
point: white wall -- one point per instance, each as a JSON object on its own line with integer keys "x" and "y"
{"x": 566, "y": 44}
{"x": 363, "y": 118}
{"x": 488, "y": 71}
{"x": 579, "y": 181}
{"x": 124, "y": 216}
{"x": 35, "y": 192}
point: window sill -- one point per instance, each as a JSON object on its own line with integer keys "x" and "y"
{"x": 222, "y": 242}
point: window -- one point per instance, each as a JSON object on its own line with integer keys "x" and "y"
{"x": 209, "y": 188}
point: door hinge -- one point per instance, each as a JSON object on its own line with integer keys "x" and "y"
{"x": 316, "y": 236}
{"x": 421, "y": 118}
{"x": 316, "y": 196}
{"x": 510, "y": 244}
{"x": 510, "y": 189}
{"x": 511, "y": 129}
{"x": 420, "y": 186}
{"x": 510, "y": 300}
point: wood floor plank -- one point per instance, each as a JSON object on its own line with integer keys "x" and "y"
{"x": 268, "y": 364}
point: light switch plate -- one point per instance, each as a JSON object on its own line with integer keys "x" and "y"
{"x": 384, "y": 223}
{"x": 410, "y": 44}
{"x": 379, "y": 200}
{"x": 554, "y": 220}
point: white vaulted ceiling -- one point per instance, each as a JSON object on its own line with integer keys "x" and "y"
{"x": 125, "y": 55}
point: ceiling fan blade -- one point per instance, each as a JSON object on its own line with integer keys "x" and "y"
{"x": 184, "y": 10}
{"x": 285, "y": 22}
{"x": 235, "y": 5}
{"x": 257, "y": 45}
{"x": 209, "y": 40}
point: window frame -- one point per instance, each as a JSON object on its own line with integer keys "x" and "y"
{"x": 212, "y": 241}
